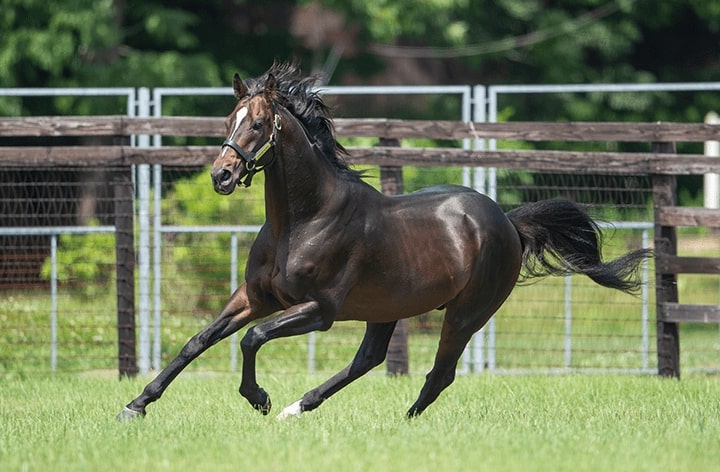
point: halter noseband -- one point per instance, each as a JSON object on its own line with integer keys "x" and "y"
{"x": 253, "y": 164}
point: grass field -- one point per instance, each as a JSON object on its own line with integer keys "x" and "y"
{"x": 553, "y": 423}
{"x": 493, "y": 422}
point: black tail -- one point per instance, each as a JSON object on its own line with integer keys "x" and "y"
{"x": 559, "y": 238}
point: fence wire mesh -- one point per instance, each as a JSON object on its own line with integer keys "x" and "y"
{"x": 551, "y": 325}
{"x": 58, "y": 306}
{"x": 58, "y": 287}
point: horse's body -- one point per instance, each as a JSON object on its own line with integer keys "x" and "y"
{"x": 366, "y": 241}
{"x": 333, "y": 248}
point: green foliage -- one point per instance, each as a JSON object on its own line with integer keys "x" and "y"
{"x": 201, "y": 261}
{"x": 132, "y": 43}
{"x": 193, "y": 201}
{"x": 151, "y": 43}
{"x": 104, "y": 43}
{"x": 385, "y": 20}
{"x": 520, "y": 41}
{"x": 416, "y": 178}
{"x": 50, "y": 38}
{"x": 85, "y": 262}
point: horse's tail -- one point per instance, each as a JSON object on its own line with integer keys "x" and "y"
{"x": 559, "y": 238}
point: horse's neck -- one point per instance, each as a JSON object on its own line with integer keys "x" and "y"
{"x": 298, "y": 182}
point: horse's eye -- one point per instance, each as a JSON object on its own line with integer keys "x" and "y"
{"x": 257, "y": 125}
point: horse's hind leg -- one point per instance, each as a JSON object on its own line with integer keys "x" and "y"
{"x": 452, "y": 343}
{"x": 371, "y": 353}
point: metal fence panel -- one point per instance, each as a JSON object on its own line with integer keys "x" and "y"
{"x": 188, "y": 261}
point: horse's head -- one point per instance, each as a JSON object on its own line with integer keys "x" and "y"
{"x": 252, "y": 129}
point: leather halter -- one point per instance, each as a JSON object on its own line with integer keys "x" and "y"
{"x": 252, "y": 159}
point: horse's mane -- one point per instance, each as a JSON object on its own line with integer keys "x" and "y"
{"x": 295, "y": 92}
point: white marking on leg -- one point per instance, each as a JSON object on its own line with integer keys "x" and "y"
{"x": 292, "y": 411}
{"x": 239, "y": 117}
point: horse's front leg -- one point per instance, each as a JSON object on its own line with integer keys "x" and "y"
{"x": 298, "y": 319}
{"x": 237, "y": 313}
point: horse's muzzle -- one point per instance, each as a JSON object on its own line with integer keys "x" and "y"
{"x": 223, "y": 181}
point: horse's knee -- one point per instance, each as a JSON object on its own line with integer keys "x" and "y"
{"x": 196, "y": 344}
{"x": 252, "y": 341}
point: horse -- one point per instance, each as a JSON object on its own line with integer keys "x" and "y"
{"x": 333, "y": 248}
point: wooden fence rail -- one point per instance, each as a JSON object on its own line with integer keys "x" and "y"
{"x": 572, "y": 162}
{"x": 641, "y": 163}
{"x": 661, "y": 162}
{"x": 116, "y": 125}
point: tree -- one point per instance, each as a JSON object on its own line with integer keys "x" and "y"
{"x": 101, "y": 43}
{"x": 541, "y": 42}
{"x": 153, "y": 43}
{"x": 538, "y": 42}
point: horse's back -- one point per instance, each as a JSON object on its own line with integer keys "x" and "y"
{"x": 452, "y": 201}
{"x": 444, "y": 188}
{"x": 492, "y": 240}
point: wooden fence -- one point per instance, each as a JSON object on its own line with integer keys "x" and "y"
{"x": 662, "y": 163}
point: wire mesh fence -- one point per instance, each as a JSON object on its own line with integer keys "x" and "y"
{"x": 553, "y": 325}
{"x": 58, "y": 270}
{"x": 58, "y": 287}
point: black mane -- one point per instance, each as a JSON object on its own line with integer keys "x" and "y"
{"x": 295, "y": 92}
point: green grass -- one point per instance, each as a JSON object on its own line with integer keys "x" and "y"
{"x": 557, "y": 423}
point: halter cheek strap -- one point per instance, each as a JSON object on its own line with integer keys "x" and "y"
{"x": 253, "y": 162}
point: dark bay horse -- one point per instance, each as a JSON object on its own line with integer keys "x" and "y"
{"x": 333, "y": 248}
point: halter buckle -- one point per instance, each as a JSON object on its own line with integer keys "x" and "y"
{"x": 277, "y": 122}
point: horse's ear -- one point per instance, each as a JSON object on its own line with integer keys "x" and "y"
{"x": 239, "y": 86}
{"x": 270, "y": 88}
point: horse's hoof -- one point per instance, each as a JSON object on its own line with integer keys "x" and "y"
{"x": 265, "y": 408}
{"x": 412, "y": 413}
{"x": 127, "y": 414}
{"x": 263, "y": 405}
{"x": 292, "y": 411}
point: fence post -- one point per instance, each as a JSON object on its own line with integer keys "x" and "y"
{"x": 125, "y": 271}
{"x": 668, "y": 340}
{"x": 398, "y": 363}
{"x": 142, "y": 182}
{"x": 711, "y": 182}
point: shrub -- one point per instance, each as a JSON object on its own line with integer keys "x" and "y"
{"x": 86, "y": 262}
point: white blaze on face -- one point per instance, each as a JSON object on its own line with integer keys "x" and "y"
{"x": 239, "y": 117}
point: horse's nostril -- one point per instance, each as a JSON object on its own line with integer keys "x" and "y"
{"x": 223, "y": 176}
